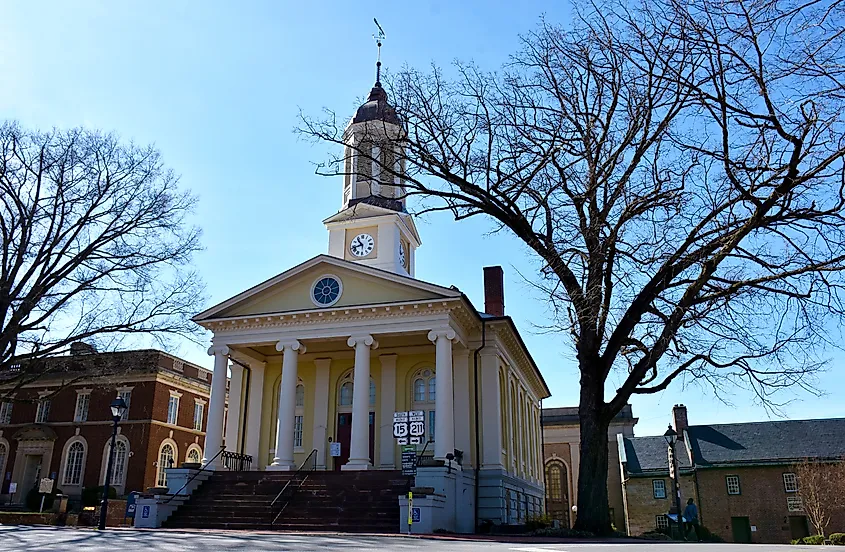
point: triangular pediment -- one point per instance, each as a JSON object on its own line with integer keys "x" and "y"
{"x": 290, "y": 291}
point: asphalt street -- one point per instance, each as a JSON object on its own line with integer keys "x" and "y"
{"x": 72, "y": 539}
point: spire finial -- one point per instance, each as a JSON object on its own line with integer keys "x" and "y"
{"x": 379, "y": 37}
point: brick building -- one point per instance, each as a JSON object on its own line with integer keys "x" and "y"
{"x": 561, "y": 451}
{"x": 741, "y": 476}
{"x": 60, "y": 425}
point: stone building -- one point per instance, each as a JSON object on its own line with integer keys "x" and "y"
{"x": 60, "y": 425}
{"x": 740, "y": 475}
{"x": 326, "y": 352}
{"x": 561, "y": 451}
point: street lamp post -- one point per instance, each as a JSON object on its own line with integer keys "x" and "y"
{"x": 671, "y": 437}
{"x": 118, "y": 407}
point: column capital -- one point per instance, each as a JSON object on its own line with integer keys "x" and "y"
{"x": 366, "y": 339}
{"x": 218, "y": 350}
{"x": 292, "y": 344}
{"x": 437, "y": 333}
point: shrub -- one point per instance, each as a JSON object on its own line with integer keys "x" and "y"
{"x": 92, "y": 496}
{"x": 656, "y": 535}
{"x": 812, "y": 539}
{"x": 33, "y": 499}
{"x": 837, "y": 539}
{"x": 534, "y": 523}
{"x": 706, "y": 535}
{"x": 562, "y": 532}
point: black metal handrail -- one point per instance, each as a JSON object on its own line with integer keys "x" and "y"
{"x": 233, "y": 461}
{"x": 300, "y": 476}
{"x": 199, "y": 471}
{"x": 426, "y": 460}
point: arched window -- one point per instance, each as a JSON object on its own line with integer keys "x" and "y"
{"x": 4, "y": 453}
{"x": 419, "y": 390}
{"x": 119, "y": 469}
{"x": 300, "y": 395}
{"x": 166, "y": 457}
{"x": 554, "y": 482}
{"x": 346, "y": 394}
{"x": 347, "y": 388}
{"x": 424, "y": 394}
{"x": 73, "y": 464}
{"x": 557, "y": 491}
{"x": 194, "y": 455}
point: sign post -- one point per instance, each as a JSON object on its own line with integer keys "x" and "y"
{"x": 410, "y": 510}
{"x": 45, "y": 487}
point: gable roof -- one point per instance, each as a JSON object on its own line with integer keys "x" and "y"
{"x": 752, "y": 443}
{"x": 767, "y": 442}
{"x": 219, "y": 309}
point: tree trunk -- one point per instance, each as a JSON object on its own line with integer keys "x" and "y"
{"x": 593, "y": 510}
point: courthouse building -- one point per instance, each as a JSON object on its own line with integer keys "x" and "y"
{"x": 328, "y": 350}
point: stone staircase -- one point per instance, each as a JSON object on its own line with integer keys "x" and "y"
{"x": 365, "y": 501}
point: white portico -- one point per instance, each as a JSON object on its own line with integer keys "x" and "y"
{"x": 325, "y": 352}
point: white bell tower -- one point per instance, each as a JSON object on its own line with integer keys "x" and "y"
{"x": 373, "y": 227}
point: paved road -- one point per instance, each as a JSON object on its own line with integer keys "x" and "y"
{"x": 70, "y": 539}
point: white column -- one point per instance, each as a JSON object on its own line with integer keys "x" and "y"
{"x": 287, "y": 405}
{"x": 233, "y": 421}
{"x": 464, "y": 406}
{"x": 387, "y": 446}
{"x": 216, "y": 406}
{"x": 321, "y": 409}
{"x": 359, "y": 449}
{"x": 253, "y": 418}
{"x": 444, "y": 418}
{"x": 491, "y": 411}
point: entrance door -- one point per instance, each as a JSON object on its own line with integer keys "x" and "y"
{"x": 741, "y": 528}
{"x": 798, "y": 527}
{"x": 344, "y": 437}
{"x": 31, "y": 473}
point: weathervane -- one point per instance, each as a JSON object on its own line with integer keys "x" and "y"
{"x": 378, "y": 37}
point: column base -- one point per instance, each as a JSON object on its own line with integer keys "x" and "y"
{"x": 356, "y": 466}
{"x": 281, "y": 466}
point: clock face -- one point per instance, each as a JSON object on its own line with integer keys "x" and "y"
{"x": 402, "y": 260}
{"x": 362, "y": 245}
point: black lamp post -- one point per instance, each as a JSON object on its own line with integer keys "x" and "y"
{"x": 671, "y": 437}
{"x": 118, "y": 407}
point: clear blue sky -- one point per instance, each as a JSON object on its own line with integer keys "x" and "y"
{"x": 217, "y": 86}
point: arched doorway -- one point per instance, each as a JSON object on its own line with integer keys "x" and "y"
{"x": 343, "y": 431}
{"x": 557, "y": 491}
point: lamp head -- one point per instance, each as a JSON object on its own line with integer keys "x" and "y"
{"x": 671, "y": 436}
{"x": 118, "y": 407}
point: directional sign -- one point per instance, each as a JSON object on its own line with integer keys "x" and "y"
{"x": 400, "y": 429}
{"x": 400, "y": 416}
{"x": 402, "y": 441}
{"x": 417, "y": 428}
{"x": 415, "y": 440}
{"x": 409, "y": 460}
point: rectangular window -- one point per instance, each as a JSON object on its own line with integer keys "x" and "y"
{"x": 658, "y": 487}
{"x": 431, "y": 425}
{"x": 127, "y": 398}
{"x": 297, "y": 431}
{"x": 43, "y": 411}
{"x": 661, "y": 523}
{"x": 173, "y": 410}
{"x": 198, "y": 413}
{"x": 83, "y": 400}
{"x": 732, "y": 482}
{"x": 790, "y": 483}
{"x": 6, "y": 413}
{"x": 794, "y": 504}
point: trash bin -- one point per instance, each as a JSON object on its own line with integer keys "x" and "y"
{"x": 60, "y": 504}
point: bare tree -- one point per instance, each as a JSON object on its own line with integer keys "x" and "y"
{"x": 821, "y": 486}
{"x": 676, "y": 169}
{"x": 96, "y": 247}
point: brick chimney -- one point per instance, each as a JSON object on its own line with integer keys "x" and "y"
{"x": 681, "y": 422}
{"x": 494, "y": 290}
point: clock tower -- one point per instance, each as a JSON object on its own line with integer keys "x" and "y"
{"x": 373, "y": 227}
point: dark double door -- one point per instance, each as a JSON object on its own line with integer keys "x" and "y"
{"x": 344, "y": 437}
